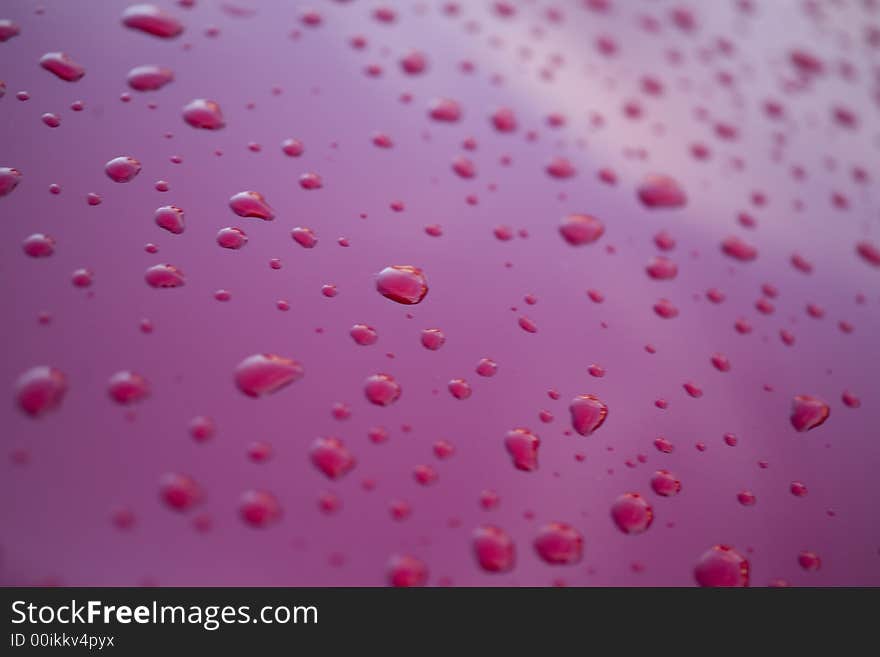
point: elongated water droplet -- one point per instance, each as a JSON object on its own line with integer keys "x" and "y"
{"x": 404, "y": 284}
{"x": 163, "y": 276}
{"x": 62, "y": 66}
{"x": 122, "y": 169}
{"x": 580, "y": 229}
{"x": 264, "y": 374}
{"x": 149, "y": 78}
{"x": 522, "y": 445}
{"x": 128, "y": 387}
{"x": 204, "y": 114}
{"x": 151, "y": 20}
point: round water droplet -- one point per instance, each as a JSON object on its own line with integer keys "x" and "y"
{"x": 487, "y": 367}
{"x": 809, "y": 561}
{"x": 122, "y": 169}
{"x": 433, "y": 339}
{"x": 292, "y": 147}
{"x": 407, "y": 571}
{"x": 40, "y": 389}
{"x": 382, "y": 389}
{"x": 459, "y": 388}
{"x": 444, "y": 110}
{"x": 721, "y": 565}
{"x": 311, "y": 180}
{"x": 128, "y": 387}
{"x": 559, "y": 543}
{"x": 522, "y": 445}
{"x": 259, "y": 508}
{"x": 404, "y": 284}
{"x": 170, "y": 217}
{"x": 201, "y": 428}
{"x": 264, "y": 374}
{"x": 580, "y": 229}
{"x": 203, "y": 114}
{"x": 163, "y": 276}
{"x": 808, "y": 412}
{"x": 494, "y": 549}
{"x": 632, "y": 513}
{"x": 179, "y": 492}
{"x": 588, "y": 413}
{"x": 661, "y": 269}
{"x": 251, "y": 204}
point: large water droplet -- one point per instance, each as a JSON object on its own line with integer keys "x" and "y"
{"x": 382, "y": 389}
{"x": 170, "y": 217}
{"x": 721, "y": 565}
{"x": 559, "y": 543}
{"x": 9, "y": 179}
{"x": 62, "y": 66}
{"x": 404, "y": 284}
{"x": 163, "y": 276}
{"x": 251, "y": 204}
{"x": 264, "y": 374}
{"x": 40, "y": 389}
{"x": 128, "y": 387}
{"x": 632, "y": 513}
{"x": 494, "y": 549}
{"x": 203, "y": 114}
{"x": 808, "y": 412}
{"x": 588, "y": 413}
{"x": 580, "y": 229}
{"x": 151, "y": 20}
{"x": 659, "y": 191}
{"x": 149, "y": 78}
{"x": 122, "y": 169}
{"x": 522, "y": 445}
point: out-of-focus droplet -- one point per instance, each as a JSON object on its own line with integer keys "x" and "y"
{"x": 251, "y": 204}
{"x": 404, "y": 284}
{"x": 559, "y": 543}
{"x": 179, "y": 492}
{"x": 494, "y": 549}
{"x": 580, "y": 229}
{"x": 40, "y": 389}
{"x": 632, "y": 513}
{"x": 407, "y": 571}
{"x": 305, "y": 237}
{"x": 722, "y": 566}
{"x": 292, "y": 147}
{"x": 62, "y": 66}
{"x": 122, "y": 169}
{"x": 382, "y": 389}
{"x": 660, "y": 191}
{"x": 665, "y": 484}
{"x": 259, "y": 508}
{"x": 738, "y": 249}
{"x": 869, "y": 252}
{"x": 809, "y": 560}
{"x": 263, "y": 374}
{"x": 808, "y": 412}
{"x": 661, "y": 268}
{"x": 127, "y": 387}
{"x": 522, "y": 445}
{"x": 444, "y": 110}
{"x": 588, "y": 413}
{"x": 38, "y": 245}
{"x": 433, "y": 339}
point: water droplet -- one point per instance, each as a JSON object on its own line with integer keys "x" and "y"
{"x": 659, "y": 191}
{"x": 559, "y": 543}
{"x": 459, "y": 388}
{"x": 444, "y": 110}
{"x": 809, "y": 561}
{"x": 665, "y": 484}
{"x": 179, "y": 491}
{"x": 151, "y": 20}
{"x": 263, "y": 374}
{"x": 661, "y": 269}
{"x": 632, "y": 513}
{"x": 494, "y": 549}
{"x": 62, "y": 66}
{"x": 407, "y": 571}
{"x": 665, "y": 309}
{"x": 721, "y": 362}
{"x": 808, "y": 412}
{"x": 487, "y": 367}
{"x": 721, "y": 565}
{"x": 868, "y": 251}
{"x": 798, "y": 489}
{"x": 259, "y": 508}
{"x": 149, "y": 78}
{"x": 363, "y": 334}
{"x": 231, "y": 238}
{"x": 560, "y": 168}
{"x": 580, "y": 229}
{"x": 127, "y": 387}
{"x": 251, "y": 204}
{"x": 82, "y": 278}
{"x": 746, "y": 498}
{"x": 8, "y": 29}
{"x": 433, "y": 339}
{"x": 163, "y": 276}
{"x": 40, "y": 389}
{"x": 738, "y": 249}
{"x": 170, "y": 217}
{"x": 203, "y": 114}
{"x": 292, "y": 147}
{"x": 311, "y": 180}
{"x": 382, "y": 389}
{"x": 305, "y": 237}
{"x": 122, "y": 169}
{"x": 404, "y": 284}
{"x": 9, "y": 179}
{"x": 39, "y": 245}
{"x": 522, "y": 445}
{"x": 414, "y": 62}
{"x": 588, "y": 413}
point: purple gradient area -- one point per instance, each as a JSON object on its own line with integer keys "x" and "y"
{"x": 92, "y": 456}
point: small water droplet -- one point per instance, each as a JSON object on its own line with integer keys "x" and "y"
{"x": 150, "y": 19}
{"x": 164, "y": 276}
{"x": 170, "y": 217}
